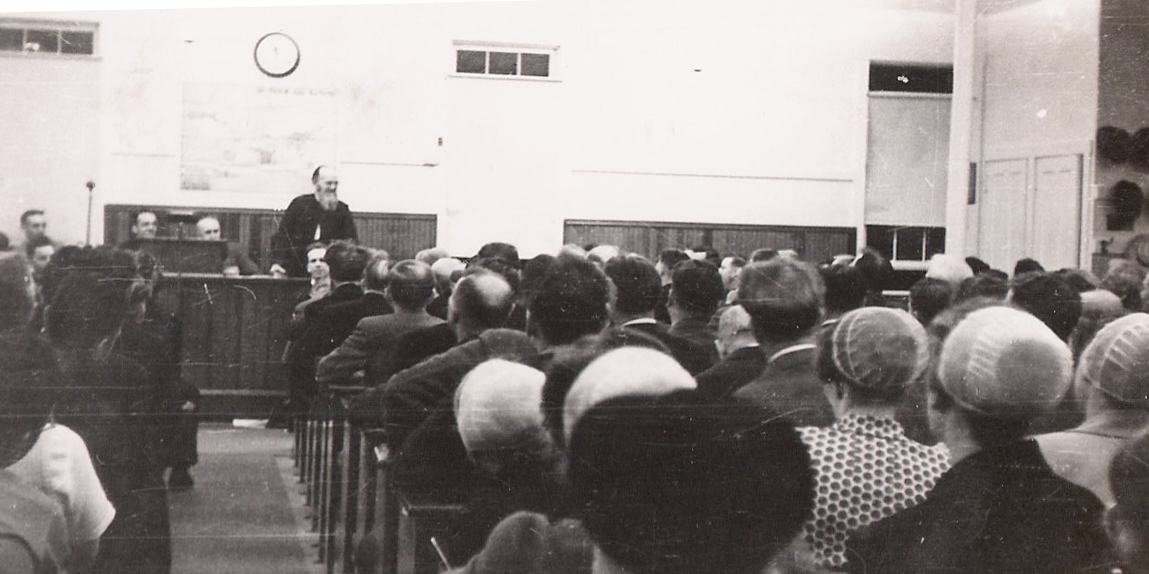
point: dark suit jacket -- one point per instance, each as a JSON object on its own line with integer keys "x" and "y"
{"x": 297, "y": 231}
{"x": 737, "y": 370}
{"x": 371, "y": 346}
{"x": 697, "y": 331}
{"x": 790, "y": 386}
{"x": 411, "y": 396}
{"x": 690, "y": 355}
{"x": 438, "y": 306}
{"x": 329, "y": 321}
{"x": 237, "y": 256}
{"x": 412, "y": 349}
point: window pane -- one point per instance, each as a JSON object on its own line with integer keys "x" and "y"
{"x": 910, "y": 78}
{"x": 910, "y": 243}
{"x": 504, "y": 63}
{"x": 43, "y": 41}
{"x": 470, "y": 62}
{"x": 76, "y": 42}
{"x": 536, "y": 65}
{"x": 11, "y": 39}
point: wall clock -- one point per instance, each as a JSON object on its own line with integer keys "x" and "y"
{"x": 276, "y": 54}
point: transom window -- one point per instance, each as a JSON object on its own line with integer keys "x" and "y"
{"x": 505, "y": 60}
{"x": 67, "y": 38}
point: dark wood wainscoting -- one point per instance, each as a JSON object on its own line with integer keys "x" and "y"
{"x": 651, "y": 237}
{"x": 401, "y": 234}
{"x": 234, "y": 332}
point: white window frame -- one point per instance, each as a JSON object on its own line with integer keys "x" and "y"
{"x": 517, "y": 48}
{"x": 57, "y": 26}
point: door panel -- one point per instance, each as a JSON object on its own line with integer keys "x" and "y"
{"x": 1057, "y": 211}
{"x": 1002, "y": 235}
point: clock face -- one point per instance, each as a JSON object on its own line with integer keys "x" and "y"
{"x": 276, "y": 54}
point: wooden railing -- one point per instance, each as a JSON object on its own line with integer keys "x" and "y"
{"x": 345, "y": 469}
{"x": 651, "y": 237}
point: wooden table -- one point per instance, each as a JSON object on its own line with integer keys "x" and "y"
{"x": 234, "y": 333}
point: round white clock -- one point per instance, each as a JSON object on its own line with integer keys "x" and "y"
{"x": 276, "y": 54}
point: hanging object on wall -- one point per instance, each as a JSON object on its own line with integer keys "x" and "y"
{"x": 1126, "y": 200}
{"x": 1113, "y": 144}
{"x": 1139, "y": 149}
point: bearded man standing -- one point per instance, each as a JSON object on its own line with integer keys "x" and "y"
{"x": 318, "y": 216}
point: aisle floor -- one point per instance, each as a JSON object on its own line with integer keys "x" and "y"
{"x": 246, "y": 512}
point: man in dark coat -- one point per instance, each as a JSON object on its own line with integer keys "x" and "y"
{"x": 319, "y": 216}
{"x": 637, "y": 285}
{"x": 695, "y": 293}
{"x": 999, "y": 508}
{"x": 742, "y": 359}
{"x": 330, "y": 320}
{"x": 784, "y": 300}
{"x": 409, "y": 285}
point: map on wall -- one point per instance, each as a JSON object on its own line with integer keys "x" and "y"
{"x": 255, "y": 139}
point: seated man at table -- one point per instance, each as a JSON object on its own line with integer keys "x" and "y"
{"x": 236, "y": 262}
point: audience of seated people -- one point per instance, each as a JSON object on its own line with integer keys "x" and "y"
{"x": 584, "y": 434}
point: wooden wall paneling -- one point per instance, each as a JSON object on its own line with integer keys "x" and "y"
{"x": 253, "y": 336}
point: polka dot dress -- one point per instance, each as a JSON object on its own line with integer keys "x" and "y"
{"x": 866, "y": 470}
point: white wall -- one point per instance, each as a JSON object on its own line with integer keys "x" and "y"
{"x": 769, "y": 130}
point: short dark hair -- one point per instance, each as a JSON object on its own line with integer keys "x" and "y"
{"x": 1081, "y": 281}
{"x": 29, "y": 385}
{"x": 504, "y": 251}
{"x": 533, "y": 274}
{"x": 1049, "y": 298}
{"x": 636, "y": 283}
{"x": 346, "y": 260}
{"x": 36, "y": 243}
{"x": 976, "y": 265}
{"x": 27, "y": 214}
{"x": 572, "y": 301}
{"x": 685, "y": 484}
{"x": 696, "y": 287}
{"x": 1027, "y": 265}
{"x": 90, "y": 290}
{"x": 783, "y": 298}
{"x": 929, "y": 296}
{"x": 763, "y": 254}
{"x": 846, "y": 288}
{"x": 671, "y": 257}
{"x": 981, "y": 285}
{"x": 877, "y": 268}
{"x": 476, "y": 301}
{"x": 411, "y": 284}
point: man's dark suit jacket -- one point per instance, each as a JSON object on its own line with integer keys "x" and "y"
{"x": 438, "y": 306}
{"x": 330, "y": 320}
{"x": 737, "y": 370}
{"x": 790, "y": 386}
{"x": 415, "y": 347}
{"x": 691, "y": 356}
{"x": 237, "y": 256}
{"x": 297, "y": 231}
{"x": 371, "y": 346}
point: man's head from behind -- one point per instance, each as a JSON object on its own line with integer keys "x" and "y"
{"x": 481, "y": 300}
{"x": 783, "y": 297}
{"x": 346, "y": 261}
{"x": 33, "y": 224}
{"x": 696, "y": 288}
{"x": 411, "y": 285}
{"x": 145, "y": 225}
{"x": 573, "y": 300}
{"x": 846, "y": 288}
{"x": 326, "y": 182}
{"x": 636, "y": 284}
{"x": 208, "y": 228}
{"x": 677, "y": 483}
{"x": 1050, "y": 298}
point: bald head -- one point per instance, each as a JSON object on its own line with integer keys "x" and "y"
{"x": 481, "y": 300}
{"x": 411, "y": 285}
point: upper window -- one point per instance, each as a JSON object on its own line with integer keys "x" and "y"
{"x": 504, "y": 60}
{"x": 914, "y": 78}
{"x": 69, "y": 38}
